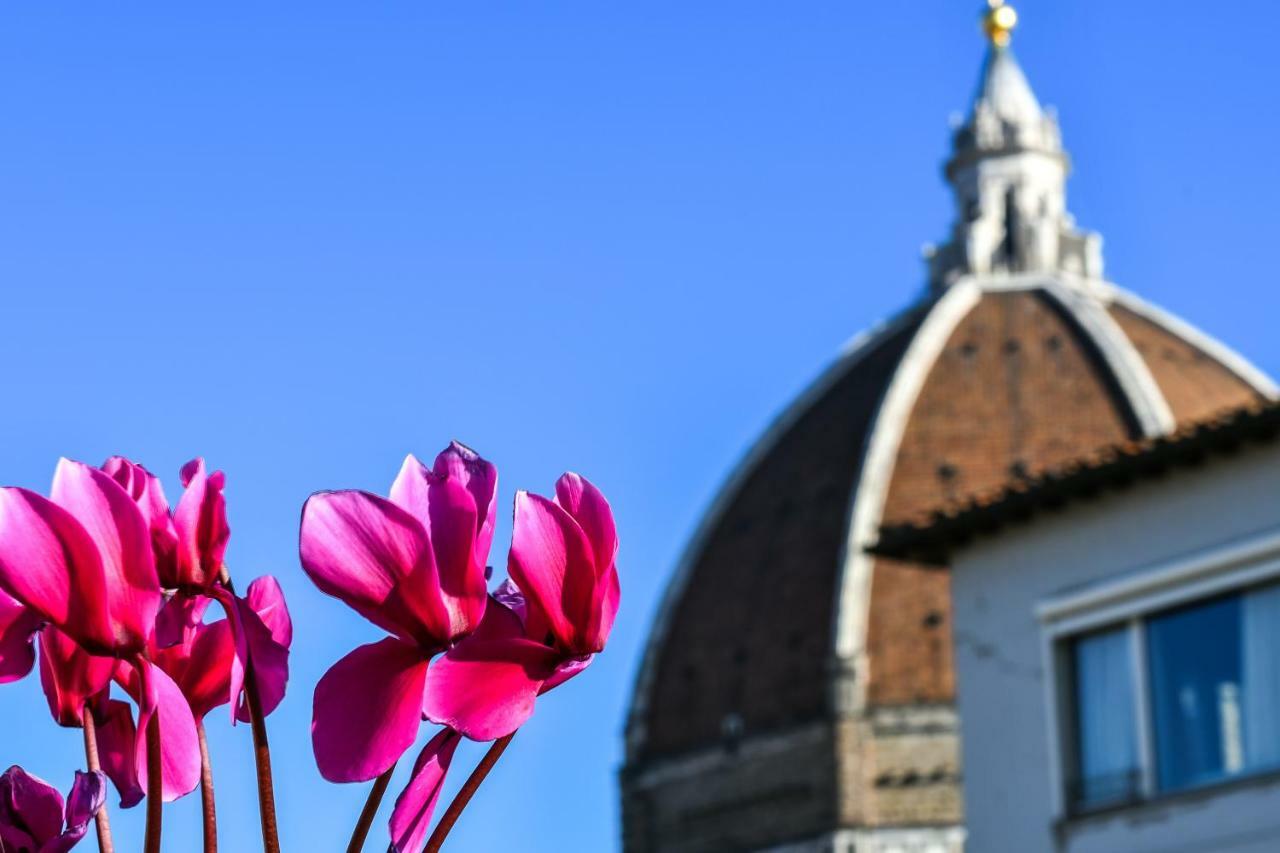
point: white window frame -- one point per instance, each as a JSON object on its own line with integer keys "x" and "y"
{"x": 1127, "y": 602}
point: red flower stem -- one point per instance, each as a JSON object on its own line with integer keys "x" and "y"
{"x": 95, "y": 766}
{"x": 262, "y": 757}
{"x": 209, "y": 809}
{"x": 370, "y": 810}
{"x": 261, "y": 747}
{"x": 155, "y": 790}
{"x": 464, "y": 796}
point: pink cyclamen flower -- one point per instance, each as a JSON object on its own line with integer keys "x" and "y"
{"x": 33, "y": 817}
{"x": 83, "y": 561}
{"x": 413, "y": 565}
{"x": 563, "y": 551}
{"x": 544, "y": 628}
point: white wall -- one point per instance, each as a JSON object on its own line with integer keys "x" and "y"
{"x": 997, "y": 585}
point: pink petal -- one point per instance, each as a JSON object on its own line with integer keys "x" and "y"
{"x": 551, "y": 561}
{"x": 480, "y": 478}
{"x": 585, "y": 503}
{"x": 201, "y": 667}
{"x": 268, "y": 655}
{"x": 115, "y": 524}
{"x": 36, "y": 805}
{"x": 49, "y": 563}
{"x": 412, "y": 815}
{"x": 71, "y": 677}
{"x": 88, "y": 795}
{"x": 179, "y": 746}
{"x": 117, "y": 748}
{"x": 358, "y": 548}
{"x": 486, "y": 689}
{"x": 178, "y": 617}
{"x": 18, "y": 627}
{"x": 564, "y": 671}
{"x": 485, "y": 686}
{"x": 447, "y": 513}
{"x": 146, "y": 491}
{"x": 200, "y": 520}
{"x": 240, "y": 658}
{"x": 266, "y": 598}
{"x": 367, "y": 710}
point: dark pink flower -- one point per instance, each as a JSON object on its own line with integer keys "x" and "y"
{"x": 414, "y": 566}
{"x": 18, "y": 627}
{"x": 33, "y": 817}
{"x": 83, "y": 561}
{"x": 544, "y": 628}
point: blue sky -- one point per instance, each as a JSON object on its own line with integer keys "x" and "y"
{"x": 305, "y": 239}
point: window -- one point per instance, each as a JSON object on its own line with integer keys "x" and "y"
{"x": 1106, "y": 726}
{"x": 1196, "y": 690}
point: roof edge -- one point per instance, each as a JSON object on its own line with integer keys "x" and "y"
{"x": 931, "y": 540}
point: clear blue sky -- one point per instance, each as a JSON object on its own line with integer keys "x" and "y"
{"x": 302, "y": 239}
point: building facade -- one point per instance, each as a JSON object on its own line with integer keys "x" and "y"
{"x": 1119, "y": 657}
{"x": 797, "y": 693}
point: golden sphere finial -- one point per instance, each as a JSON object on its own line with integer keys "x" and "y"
{"x": 998, "y": 22}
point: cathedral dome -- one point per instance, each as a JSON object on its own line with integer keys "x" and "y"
{"x": 1020, "y": 357}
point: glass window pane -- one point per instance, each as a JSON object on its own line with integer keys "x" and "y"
{"x": 1260, "y": 678}
{"x": 1196, "y": 669}
{"x": 1106, "y": 725}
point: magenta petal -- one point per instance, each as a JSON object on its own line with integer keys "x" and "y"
{"x": 412, "y": 815}
{"x": 179, "y": 746}
{"x": 71, "y": 677}
{"x": 31, "y": 803}
{"x": 447, "y": 512}
{"x": 267, "y": 648}
{"x": 146, "y": 491}
{"x": 265, "y": 597}
{"x": 117, "y": 746}
{"x": 178, "y": 617}
{"x": 201, "y": 666}
{"x": 49, "y": 563}
{"x": 480, "y": 478}
{"x": 115, "y": 524}
{"x": 358, "y": 547}
{"x": 486, "y": 688}
{"x": 367, "y": 710}
{"x": 88, "y": 794}
{"x": 18, "y": 627}
{"x": 564, "y": 671}
{"x": 200, "y": 521}
{"x": 589, "y": 508}
{"x": 551, "y": 561}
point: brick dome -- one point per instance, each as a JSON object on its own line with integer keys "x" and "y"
{"x": 960, "y": 394}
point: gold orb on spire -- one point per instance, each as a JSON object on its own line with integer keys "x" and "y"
{"x": 998, "y": 22}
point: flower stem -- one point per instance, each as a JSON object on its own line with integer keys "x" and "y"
{"x": 261, "y": 748}
{"x": 208, "y": 807}
{"x": 464, "y": 796}
{"x": 262, "y": 757}
{"x": 370, "y": 810}
{"x": 95, "y": 766}
{"x": 155, "y": 783}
